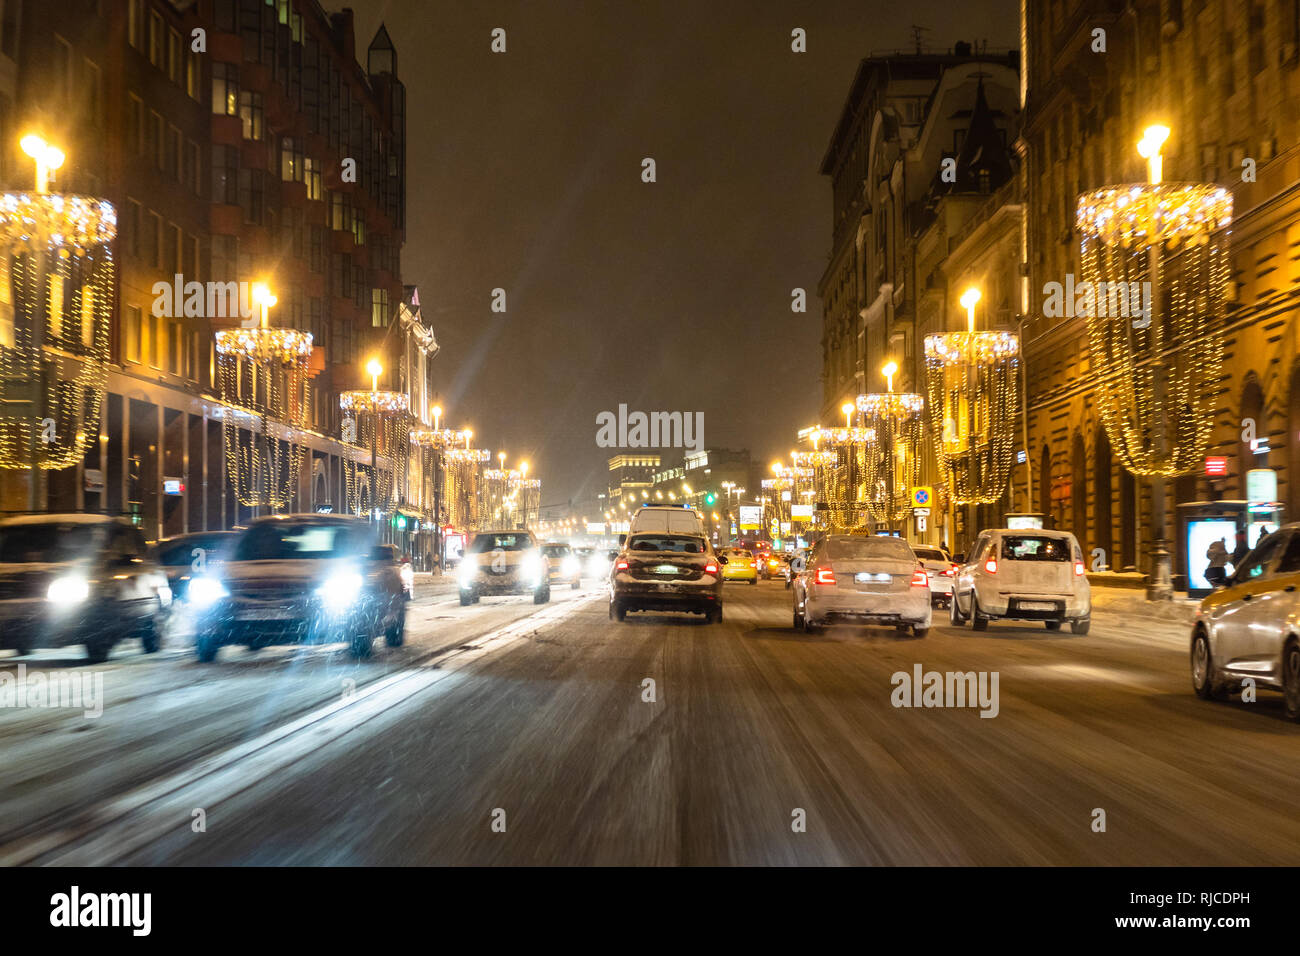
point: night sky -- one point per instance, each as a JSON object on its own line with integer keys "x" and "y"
{"x": 524, "y": 172}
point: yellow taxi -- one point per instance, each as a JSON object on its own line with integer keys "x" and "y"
{"x": 740, "y": 566}
{"x": 1250, "y": 629}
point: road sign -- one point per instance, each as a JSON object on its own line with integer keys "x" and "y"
{"x": 922, "y": 495}
{"x": 1216, "y": 466}
{"x": 920, "y": 522}
{"x": 921, "y": 512}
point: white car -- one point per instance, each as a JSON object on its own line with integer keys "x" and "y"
{"x": 666, "y": 519}
{"x": 862, "y": 580}
{"x": 1026, "y": 575}
{"x": 504, "y": 562}
{"x": 940, "y": 569}
{"x": 1251, "y": 627}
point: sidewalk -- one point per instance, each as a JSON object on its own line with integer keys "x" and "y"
{"x": 430, "y": 584}
{"x": 1132, "y": 602}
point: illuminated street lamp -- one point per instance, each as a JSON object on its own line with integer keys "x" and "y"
{"x": 45, "y": 156}
{"x": 264, "y": 298}
{"x": 847, "y": 410}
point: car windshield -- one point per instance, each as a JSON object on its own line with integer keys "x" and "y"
{"x": 555, "y": 550}
{"x": 865, "y": 549}
{"x": 930, "y": 554}
{"x": 500, "y": 542}
{"x": 284, "y": 542}
{"x": 1034, "y": 547}
{"x": 48, "y": 543}
{"x": 667, "y": 542}
{"x": 175, "y": 554}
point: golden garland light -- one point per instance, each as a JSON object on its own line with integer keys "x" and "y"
{"x": 431, "y": 443}
{"x": 513, "y": 498}
{"x": 263, "y": 374}
{"x": 464, "y": 467}
{"x": 890, "y": 465}
{"x": 56, "y": 300}
{"x": 378, "y": 423}
{"x": 1161, "y": 248}
{"x": 840, "y": 486}
{"x": 973, "y": 383}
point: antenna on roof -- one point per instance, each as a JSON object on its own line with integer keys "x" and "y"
{"x": 918, "y": 39}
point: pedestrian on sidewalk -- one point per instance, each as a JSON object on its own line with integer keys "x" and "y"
{"x": 1241, "y": 550}
{"x": 1217, "y": 554}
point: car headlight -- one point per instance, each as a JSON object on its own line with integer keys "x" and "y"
{"x": 340, "y": 591}
{"x": 571, "y": 566}
{"x": 68, "y": 589}
{"x": 468, "y": 570}
{"x": 408, "y": 575}
{"x": 204, "y": 592}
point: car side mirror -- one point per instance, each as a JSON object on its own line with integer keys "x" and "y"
{"x": 959, "y": 558}
{"x": 721, "y": 560}
{"x": 622, "y": 540}
{"x": 380, "y": 554}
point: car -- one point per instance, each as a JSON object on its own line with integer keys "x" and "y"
{"x": 740, "y": 565}
{"x": 562, "y": 564}
{"x": 940, "y": 569}
{"x": 860, "y": 579}
{"x": 184, "y": 555}
{"x": 663, "y": 571}
{"x": 1026, "y": 575}
{"x": 391, "y": 554}
{"x": 87, "y": 579}
{"x": 1250, "y": 628}
{"x": 761, "y": 558}
{"x": 300, "y": 579}
{"x": 504, "y": 562}
{"x": 666, "y": 519}
{"x": 774, "y": 566}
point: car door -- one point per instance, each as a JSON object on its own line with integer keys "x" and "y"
{"x": 132, "y": 574}
{"x": 1241, "y": 611}
{"x": 966, "y": 574}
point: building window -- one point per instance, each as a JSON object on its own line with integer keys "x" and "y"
{"x": 135, "y": 123}
{"x": 133, "y": 330}
{"x": 358, "y": 228}
{"x": 379, "y": 308}
{"x": 175, "y": 247}
{"x": 291, "y": 160}
{"x": 225, "y": 258}
{"x": 175, "y": 154}
{"x": 252, "y": 196}
{"x": 193, "y": 174}
{"x": 311, "y": 176}
{"x": 62, "y": 69}
{"x": 316, "y": 253}
{"x": 174, "y": 56}
{"x": 225, "y": 89}
{"x": 94, "y": 88}
{"x": 192, "y": 76}
{"x": 157, "y": 140}
{"x": 174, "y": 345}
{"x": 134, "y": 23}
{"x": 156, "y": 52}
{"x": 192, "y": 257}
{"x": 225, "y": 175}
{"x": 153, "y": 241}
{"x": 250, "y": 111}
{"x": 133, "y": 226}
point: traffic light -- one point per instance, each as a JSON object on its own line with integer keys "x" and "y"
{"x": 710, "y": 499}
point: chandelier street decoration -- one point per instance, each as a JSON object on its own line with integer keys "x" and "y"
{"x": 376, "y": 421}
{"x": 972, "y": 380}
{"x": 1162, "y": 249}
{"x": 57, "y": 285}
{"x": 264, "y": 374}
{"x": 839, "y": 477}
{"x": 514, "y": 498}
{"x": 890, "y": 464}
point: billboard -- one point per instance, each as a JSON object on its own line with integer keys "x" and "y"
{"x": 751, "y": 517}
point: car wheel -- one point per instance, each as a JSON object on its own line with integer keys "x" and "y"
{"x": 395, "y": 636}
{"x": 978, "y": 621}
{"x": 97, "y": 650}
{"x": 715, "y": 616}
{"x": 150, "y": 639}
{"x": 617, "y": 611}
{"x": 206, "y": 646}
{"x": 466, "y": 598}
{"x": 1052, "y": 625}
{"x": 954, "y": 613}
{"x": 809, "y": 625}
{"x": 918, "y": 631}
{"x": 361, "y": 644}
{"x": 1081, "y": 626}
{"x": 1291, "y": 680}
{"x": 798, "y": 618}
{"x": 542, "y": 595}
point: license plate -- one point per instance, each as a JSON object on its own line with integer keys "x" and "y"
{"x": 666, "y": 569}
{"x": 865, "y": 577}
{"x": 266, "y": 614}
{"x": 1037, "y": 606}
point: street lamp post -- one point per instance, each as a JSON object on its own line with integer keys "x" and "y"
{"x": 437, "y": 491}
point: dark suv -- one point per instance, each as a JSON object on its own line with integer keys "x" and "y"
{"x": 78, "y": 579}
{"x": 292, "y": 579}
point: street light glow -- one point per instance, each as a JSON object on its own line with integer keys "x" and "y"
{"x": 1153, "y": 137}
{"x": 889, "y": 370}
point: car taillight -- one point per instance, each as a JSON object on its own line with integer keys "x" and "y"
{"x": 621, "y": 566}
{"x": 950, "y": 570}
{"x": 991, "y": 565}
{"x": 710, "y": 568}
{"x": 920, "y": 579}
{"x": 825, "y": 576}
{"x": 1078, "y": 568}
